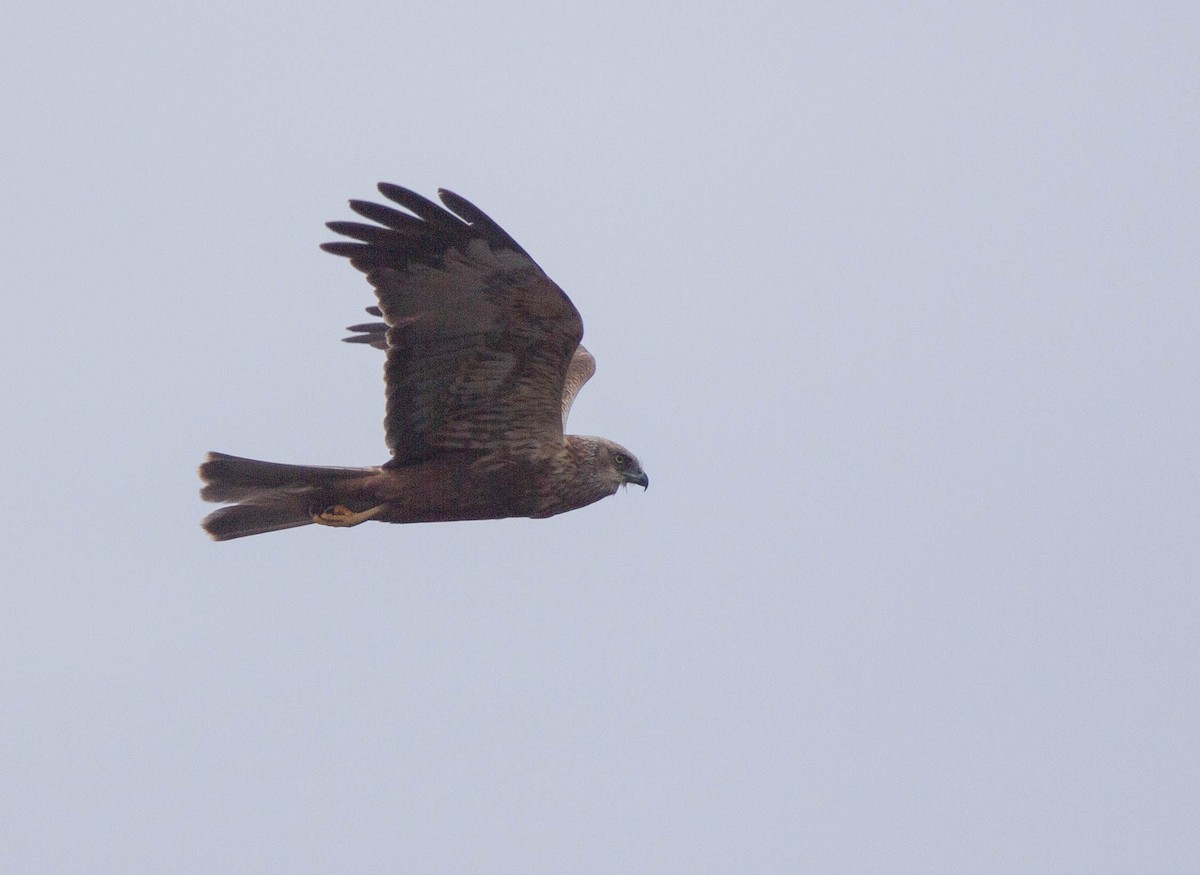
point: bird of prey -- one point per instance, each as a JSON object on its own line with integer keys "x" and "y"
{"x": 483, "y": 362}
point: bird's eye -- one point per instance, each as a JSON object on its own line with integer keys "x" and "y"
{"x": 619, "y": 458}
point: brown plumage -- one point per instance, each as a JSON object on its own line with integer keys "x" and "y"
{"x": 483, "y": 364}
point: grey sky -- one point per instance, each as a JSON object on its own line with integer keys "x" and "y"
{"x": 898, "y": 307}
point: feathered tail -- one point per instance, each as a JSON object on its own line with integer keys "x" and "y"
{"x": 269, "y": 496}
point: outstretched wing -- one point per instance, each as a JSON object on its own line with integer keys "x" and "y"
{"x": 581, "y": 369}
{"x": 479, "y": 340}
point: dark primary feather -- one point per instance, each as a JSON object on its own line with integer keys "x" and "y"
{"x": 387, "y": 216}
{"x": 365, "y": 233}
{"x": 374, "y": 333}
{"x": 421, "y": 206}
{"x": 481, "y": 223}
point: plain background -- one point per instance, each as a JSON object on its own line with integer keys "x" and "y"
{"x": 897, "y": 303}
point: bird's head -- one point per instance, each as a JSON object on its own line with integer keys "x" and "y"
{"x": 622, "y": 464}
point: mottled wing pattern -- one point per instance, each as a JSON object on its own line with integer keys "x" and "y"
{"x": 581, "y": 369}
{"x": 479, "y": 340}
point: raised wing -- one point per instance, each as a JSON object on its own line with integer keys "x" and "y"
{"x": 479, "y": 340}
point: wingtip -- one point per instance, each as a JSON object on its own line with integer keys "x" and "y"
{"x": 400, "y": 195}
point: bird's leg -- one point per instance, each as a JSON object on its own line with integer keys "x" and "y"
{"x": 343, "y": 517}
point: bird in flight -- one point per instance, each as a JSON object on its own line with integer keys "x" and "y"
{"x": 483, "y": 362}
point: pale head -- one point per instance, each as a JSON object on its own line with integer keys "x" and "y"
{"x": 616, "y": 466}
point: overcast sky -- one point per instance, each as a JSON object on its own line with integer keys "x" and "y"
{"x": 897, "y": 304}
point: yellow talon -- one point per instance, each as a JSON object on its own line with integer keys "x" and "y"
{"x": 343, "y": 517}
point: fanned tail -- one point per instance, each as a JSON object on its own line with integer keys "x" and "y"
{"x": 269, "y": 496}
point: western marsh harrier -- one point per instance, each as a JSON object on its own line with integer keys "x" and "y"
{"x": 483, "y": 362}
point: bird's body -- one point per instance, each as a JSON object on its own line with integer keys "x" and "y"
{"x": 483, "y": 365}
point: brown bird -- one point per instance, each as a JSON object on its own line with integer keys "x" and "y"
{"x": 483, "y": 363}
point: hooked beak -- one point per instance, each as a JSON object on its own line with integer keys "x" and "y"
{"x": 641, "y": 480}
